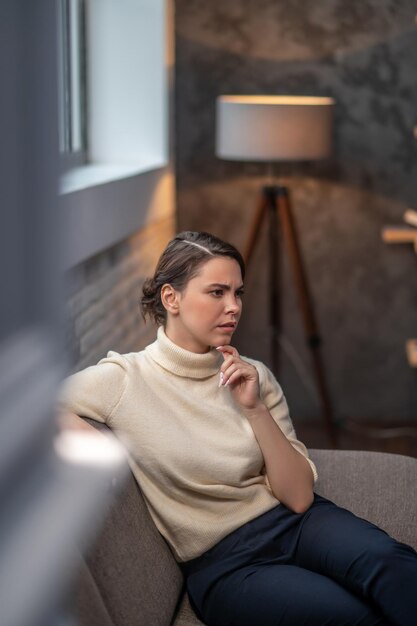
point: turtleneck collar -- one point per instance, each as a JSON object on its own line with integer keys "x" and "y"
{"x": 183, "y": 362}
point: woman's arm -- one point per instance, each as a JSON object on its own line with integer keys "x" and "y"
{"x": 92, "y": 392}
{"x": 289, "y": 473}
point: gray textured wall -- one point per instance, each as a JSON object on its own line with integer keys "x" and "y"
{"x": 364, "y": 54}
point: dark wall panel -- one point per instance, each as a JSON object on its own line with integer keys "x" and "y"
{"x": 364, "y": 54}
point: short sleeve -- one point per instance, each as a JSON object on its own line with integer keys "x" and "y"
{"x": 95, "y": 391}
{"x": 274, "y": 399}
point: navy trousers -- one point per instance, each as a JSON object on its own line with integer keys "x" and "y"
{"x": 322, "y": 567}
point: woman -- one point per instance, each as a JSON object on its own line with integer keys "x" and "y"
{"x": 225, "y": 479}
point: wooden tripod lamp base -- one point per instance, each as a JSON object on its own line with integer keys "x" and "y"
{"x": 275, "y": 202}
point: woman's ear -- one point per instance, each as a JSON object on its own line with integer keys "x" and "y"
{"x": 169, "y": 299}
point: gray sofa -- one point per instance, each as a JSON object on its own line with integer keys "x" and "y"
{"x": 130, "y": 578}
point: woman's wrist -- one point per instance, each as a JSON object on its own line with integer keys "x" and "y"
{"x": 258, "y": 410}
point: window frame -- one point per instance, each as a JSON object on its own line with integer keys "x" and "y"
{"x": 131, "y": 160}
{"x": 72, "y": 76}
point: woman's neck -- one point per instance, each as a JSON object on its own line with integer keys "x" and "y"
{"x": 183, "y": 362}
{"x": 185, "y": 340}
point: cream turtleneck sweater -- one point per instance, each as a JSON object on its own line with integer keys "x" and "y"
{"x": 191, "y": 450}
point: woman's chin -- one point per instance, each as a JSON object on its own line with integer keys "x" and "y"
{"x": 224, "y": 340}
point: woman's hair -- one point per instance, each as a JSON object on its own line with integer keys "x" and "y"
{"x": 181, "y": 261}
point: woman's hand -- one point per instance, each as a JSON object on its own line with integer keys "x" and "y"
{"x": 289, "y": 473}
{"x": 241, "y": 378}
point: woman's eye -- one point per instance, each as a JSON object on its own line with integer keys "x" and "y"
{"x": 217, "y": 292}
{"x": 240, "y": 293}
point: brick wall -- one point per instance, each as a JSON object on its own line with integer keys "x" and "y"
{"x": 103, "y": 297}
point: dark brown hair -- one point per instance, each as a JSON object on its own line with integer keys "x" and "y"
{"x": 180, "y": 262}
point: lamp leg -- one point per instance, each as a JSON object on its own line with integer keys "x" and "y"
{"x": 255, "y": 227}
{"x": 267, "y": 203}
{"x": 310, "y": 325}
{"x": 276, "y": 201}
{"x": 275, "y": 290}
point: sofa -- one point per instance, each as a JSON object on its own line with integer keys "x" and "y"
{"x": 130, "y": 578}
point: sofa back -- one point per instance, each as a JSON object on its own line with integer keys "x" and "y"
{"x": 129, "y": 577}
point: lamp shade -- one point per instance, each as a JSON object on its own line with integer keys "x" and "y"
{"x": 273, "y": 128}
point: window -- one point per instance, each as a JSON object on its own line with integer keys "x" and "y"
{"x": 128, "y": 69}
{"x": 113, "y": 89}
{"x": 72, "y": 66}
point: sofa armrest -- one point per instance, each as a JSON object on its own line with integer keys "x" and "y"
{"x": 377, "y": 486}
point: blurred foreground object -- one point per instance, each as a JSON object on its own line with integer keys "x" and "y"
{"x": 50, "y": 497}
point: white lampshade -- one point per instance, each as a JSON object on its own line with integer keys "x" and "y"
{"x": 273, "y": 128}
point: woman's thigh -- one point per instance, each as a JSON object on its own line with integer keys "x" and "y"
{"x": 334, "y": 542}
{"x": 285, "y": 595}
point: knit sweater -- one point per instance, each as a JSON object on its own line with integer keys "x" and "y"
{"x": 190, "y": 448}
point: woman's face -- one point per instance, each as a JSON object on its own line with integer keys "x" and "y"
{"x": 207, "y": 311}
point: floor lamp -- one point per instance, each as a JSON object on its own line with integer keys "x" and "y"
{"x": 271, "y": 129}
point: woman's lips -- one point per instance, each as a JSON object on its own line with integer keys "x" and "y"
{"x": 227, "y": 328}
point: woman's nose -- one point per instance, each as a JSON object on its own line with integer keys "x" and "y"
{"x": 233, "y": 305}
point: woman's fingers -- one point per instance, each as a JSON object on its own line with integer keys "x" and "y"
{"x": 228, "y": 360}
{"x": 241, "y": 377}
{"x": 230, "y": 355}
{"x": 225, "y": 350}
{"x": 233, "y": 376}
{"x": 233, "y": 367}
{"x": 235, "y": 370}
